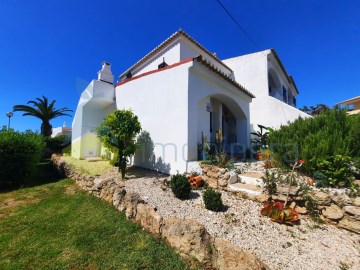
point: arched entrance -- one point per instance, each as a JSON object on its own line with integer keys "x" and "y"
{"x": 223, "y": 112}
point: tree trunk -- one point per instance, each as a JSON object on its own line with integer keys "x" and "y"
{"x": 46, "y": 129}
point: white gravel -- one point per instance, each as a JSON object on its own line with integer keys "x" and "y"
{"x": 304, "y": 246}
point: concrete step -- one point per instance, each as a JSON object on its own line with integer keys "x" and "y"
{"x": 248, "y": 188}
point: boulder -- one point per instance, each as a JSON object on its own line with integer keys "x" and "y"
{"x": 333, "y": 212}
{"x": 212, "y": 174}
{"x": 189, "y": 238}
{"x": 149, "y": 219}
{"x": 350, "y": 224}
{"x": 341, "y": 200}
{"x": 301, "y": 210}
{"x": 211, "y": 182}
{"x": 230, "y": 257}
{"x": 356, "y": 201}
{"x": 118, "y": 196}
{"x": 262, "y": 198}
{"x": 352, "y": 210}
{"x": 321, "y": 198}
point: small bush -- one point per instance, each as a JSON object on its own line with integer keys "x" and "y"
{"x": 19, "y": 154}
{"x": 269, "y": 180}
{"x": 180, "y": 186}
{"x": 337, "y": 171}
{"x": 212, "y": 200}
{"x": 55, "y": 145}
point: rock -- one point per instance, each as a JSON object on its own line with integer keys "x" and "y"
{"x": 129, "y": 204}
{"x": 214, "y": 169}
{"x": 233, "y": 178}
{"x": 341, "y": 200}
{"x": 188, "y": 237}
{"x": 352, "y": 210}
{"x": 212, "y": 174}
{"x": 284, "y": 190}
{"x": 205, "y": 169}
{"x": 300, "y": 210}
{"x": 230, "y": 257}
{"x": 356, "y": 201}
{"x": 222, "y": 170}
{"x": 350, "y": 224}
{"x": 333, "y": 212}
{"x": 226, "y": 175}
{"x": 118, "y": 196}
{"x": 223, "y": 183}
{"x": 357, "y": 182}
{"x": 148, "y": 218}
{"x": 213, "y": 183}
{"x": 107, "y": 192}
{"x": 322, "y": 198}
{"x": 262, "y": 198}
{"x": 292, "y": 205}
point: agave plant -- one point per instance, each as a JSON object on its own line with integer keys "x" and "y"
{"x": 278, "y": 213}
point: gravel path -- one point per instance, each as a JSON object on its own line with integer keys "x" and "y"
{"x": 304, "y": 246}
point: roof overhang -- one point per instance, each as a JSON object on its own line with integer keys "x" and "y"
{"x": 349, "y": 101}
{"x": 169, "y": 40}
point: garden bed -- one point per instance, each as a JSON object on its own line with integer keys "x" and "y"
{"x": 307, "y": 245}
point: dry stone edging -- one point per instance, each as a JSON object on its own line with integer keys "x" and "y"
{"x": 188, "y": 237}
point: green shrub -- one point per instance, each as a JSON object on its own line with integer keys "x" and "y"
{"x": 19, "y": 154}
{"x": 322, "y": 137}
{"x": 337, "y": 170}
{"x": 180, "y": 186}
{"x": 212, "y": 200}
{"x": 270, "y": 180}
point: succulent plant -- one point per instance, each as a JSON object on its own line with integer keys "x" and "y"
{"x": 278, "y": 213}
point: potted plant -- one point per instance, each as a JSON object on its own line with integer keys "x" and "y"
{"x": 195, "y": 179}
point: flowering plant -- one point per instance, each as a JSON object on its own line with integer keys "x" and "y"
{"x": 277, "y": 212}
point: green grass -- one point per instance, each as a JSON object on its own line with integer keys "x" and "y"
{"x": 58, "y": 226}
{"x": 86, "y": 167}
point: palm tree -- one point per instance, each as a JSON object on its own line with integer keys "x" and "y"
{"x": 44, "y": 111}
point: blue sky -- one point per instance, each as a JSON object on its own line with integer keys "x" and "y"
{"x": 55, "y": 48}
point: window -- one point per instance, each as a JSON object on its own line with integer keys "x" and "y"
{"x": 211, "y": 128}
{"x": 129, "y": 75}
{"x": 284, "y": 94}
{"x": 163, "y": 64}
{"x": 294, "y": 101}
{"x": 269, "y": 89}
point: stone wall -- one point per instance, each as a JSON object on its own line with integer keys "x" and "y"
{"x": 215, "y": 177}
{"x": 188, "y": 237}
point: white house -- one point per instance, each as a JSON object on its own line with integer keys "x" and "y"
{"x": 180, "y": 90}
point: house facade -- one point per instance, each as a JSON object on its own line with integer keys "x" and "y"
{"x": 353, "y": 105}
{"x": 180, "y": 92}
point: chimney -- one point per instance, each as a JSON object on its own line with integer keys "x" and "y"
{"x": 105, "y": 74}
{"x": 64, "y": 125}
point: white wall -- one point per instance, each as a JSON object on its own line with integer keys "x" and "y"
{"x": 96, "y": 101}
{"x": 171, "y": 55}
{"x": 177, "y": 50}
{"x": 251, "y": 71}
{"x": 271, "y": 112}
{"x": 160, "y": 100}
{"x": 204, "y": 84}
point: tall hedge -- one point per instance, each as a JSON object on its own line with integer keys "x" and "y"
{"x": 19, "y": 154}
{"x": 330, "y": 133}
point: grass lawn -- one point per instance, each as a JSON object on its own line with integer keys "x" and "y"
{"x": 86, "y": 167}
{"x": 55, "y": 225}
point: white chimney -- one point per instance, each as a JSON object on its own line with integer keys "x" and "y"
{"x": 105, "y": 74}
{"x": 64, "y": 125}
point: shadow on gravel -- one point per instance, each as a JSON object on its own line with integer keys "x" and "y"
{"x": 193, "y": 195}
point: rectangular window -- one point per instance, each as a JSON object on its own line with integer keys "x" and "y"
{"x": 269, "y": 89}
{"x": 284, "y": 94}
{"x": 294, "y": 101}
{"x": 210, "y": 122}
